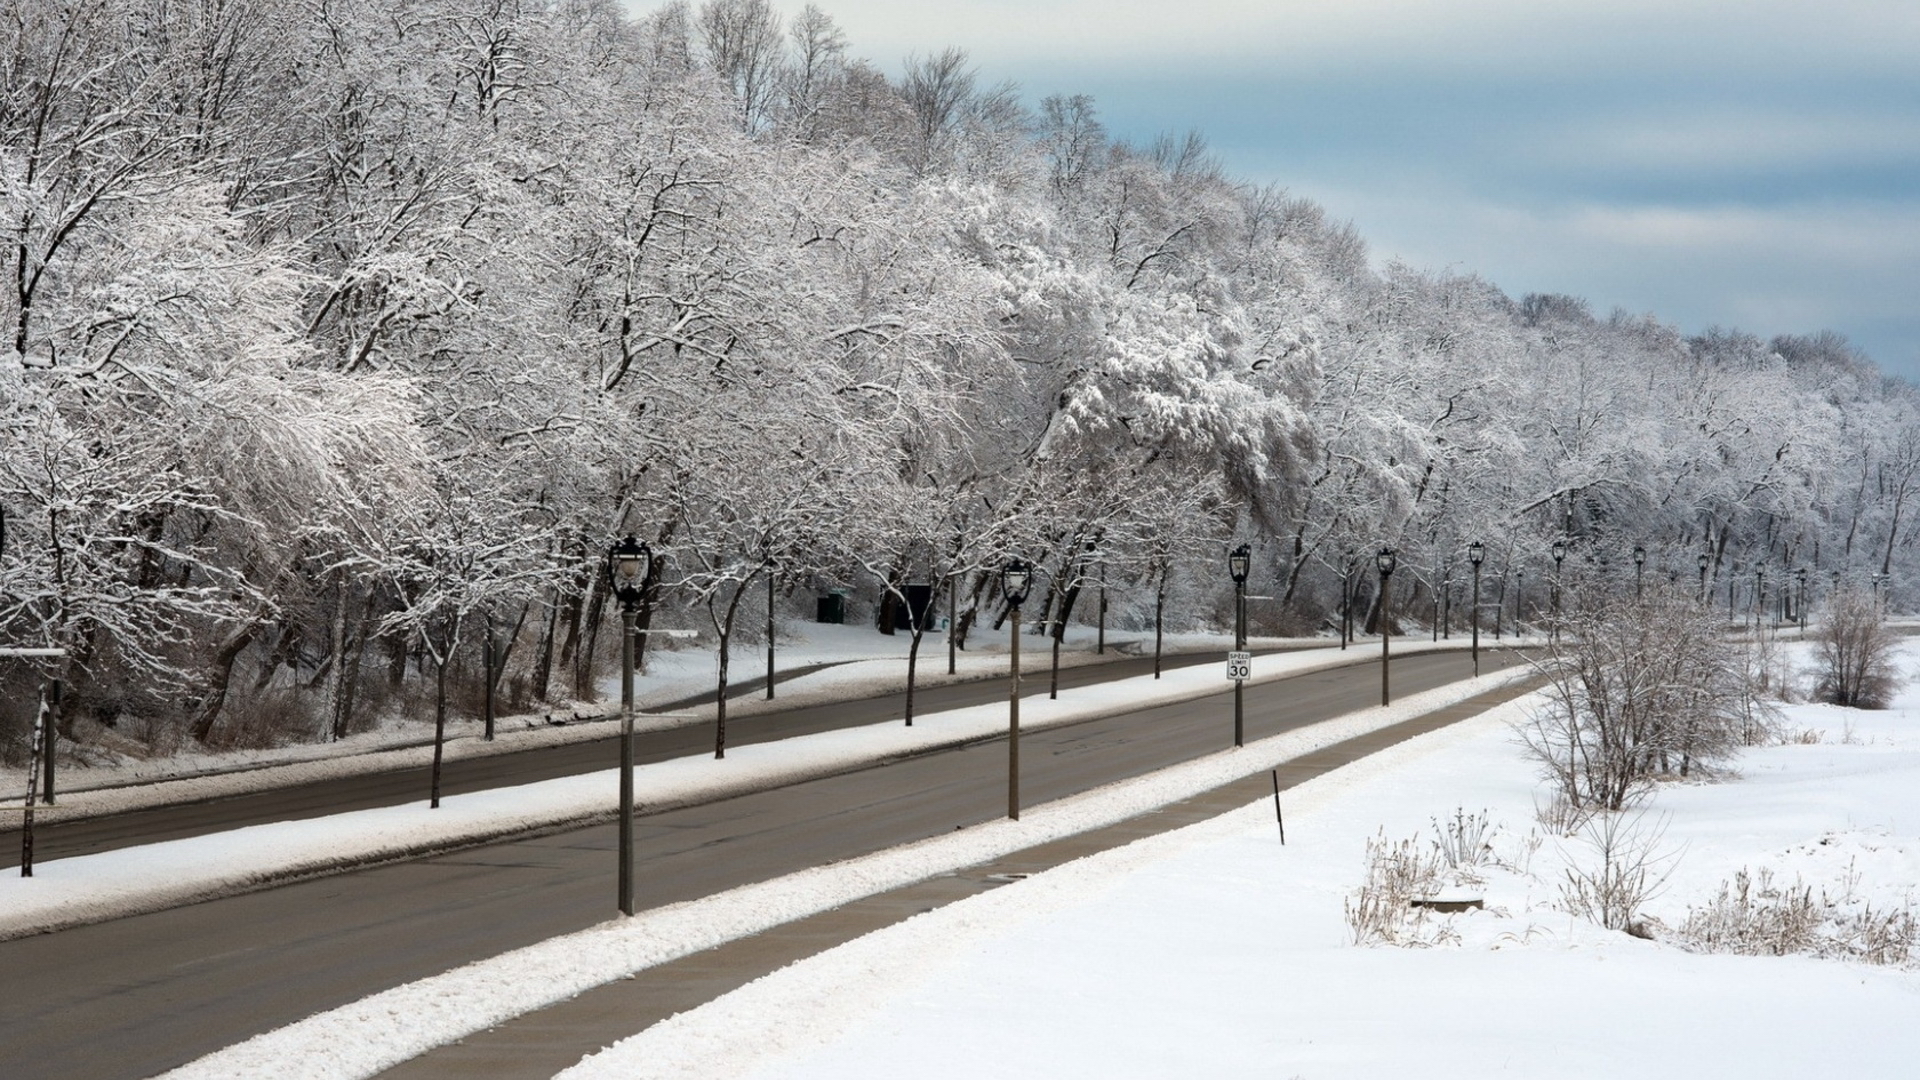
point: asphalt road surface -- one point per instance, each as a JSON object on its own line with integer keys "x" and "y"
{"x": 136, "y": 996}
{"x": 55, "y": 839}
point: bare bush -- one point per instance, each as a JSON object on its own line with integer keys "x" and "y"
{"x": 1381, "y": 911}
{"x": 263, "y": 718}
{"x": 1635, "y": 690}
{"x": 1853, "y": 658}
{"x": 1625, "y": 869}
{"x": 1384, "y": 910}
{"x": 1464, "y": 840}
{"x": 1753, "y": 916}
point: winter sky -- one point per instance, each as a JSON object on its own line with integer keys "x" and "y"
{"x": 1749, "y": 163}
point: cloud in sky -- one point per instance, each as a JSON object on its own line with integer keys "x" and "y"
{"x": 1736, "y": 162}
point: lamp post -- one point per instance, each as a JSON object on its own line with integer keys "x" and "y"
{"x": 1015, "y": 579}
{"x": 1476, "y": 554}
{"x": 1238, "y": 561}
{"x": 1802, "y": 575}
{"x": 627, "y": 565}
{"x": 1386, "y": 561}
{"x": 1519, "y": 600}
{"x": 1639, "y": 572}
{"x": 1759, "y": 598}
{"x": 1559, "y": 556}
{"x": 1346, "y": 598}
{"x": 1703, "y": 559}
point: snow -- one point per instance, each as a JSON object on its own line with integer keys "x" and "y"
{"x": 1214, "y": 951}
{"x": 379, "y": 1031}
{"x": 91, "y": 888}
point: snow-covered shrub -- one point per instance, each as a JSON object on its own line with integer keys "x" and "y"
{"x": 1752, "y": 915}
{"x": 1622, "y": 868}
{"x": 1462, "y": 839}
{"x": 1853, "y": 659}
{"x": 1381, "y": 911}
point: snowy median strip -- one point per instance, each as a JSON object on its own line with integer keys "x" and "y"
{"x": 380, "y": 1031}
{"x": 152, "y": 877}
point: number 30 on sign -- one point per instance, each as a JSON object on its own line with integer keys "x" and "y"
{"x": 1239, "y": 666}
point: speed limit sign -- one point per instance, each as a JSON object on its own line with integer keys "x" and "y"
{"x": 1239, "y": 666}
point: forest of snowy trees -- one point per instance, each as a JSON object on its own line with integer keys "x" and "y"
{"x": 344, "y": 335}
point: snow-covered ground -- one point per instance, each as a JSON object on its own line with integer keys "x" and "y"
{"x": 1215, "y": 951}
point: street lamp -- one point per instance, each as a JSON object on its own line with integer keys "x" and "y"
{"x": 627, "y": 565}
{"x": 1237, "y": 564}
{"x": 1639, "y": 571}
{"x": 1476, "y": 554}
{"x": 1703, "y": 559}
{"x": 1759, "y": 598}
{"x": 1346, "y": 598}
{"x": 1802, "y": 575}
{"x": 1559, "y": 556}
{"x": 1015, "y": 579}
{"x": 1386, "y": 562}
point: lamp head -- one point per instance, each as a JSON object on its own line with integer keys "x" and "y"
{"x": 1237, "y": 562}
{"x": 1476, "y": 553}
{"x": 1015, "y": 581}
{"x": 1386, "y": 560}
{"x": 627, "y": 564}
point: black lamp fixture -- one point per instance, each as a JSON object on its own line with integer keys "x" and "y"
{"x": 1237, "y": 563}
{"x": 627, "y": 565}
{"x": 1016, "y": 578}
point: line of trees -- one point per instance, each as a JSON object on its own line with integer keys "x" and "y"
{"x": 338, "y": 331}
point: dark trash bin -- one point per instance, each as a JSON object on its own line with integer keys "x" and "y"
{"x": 919, "y": 606}
{"x": 832, "y": 609}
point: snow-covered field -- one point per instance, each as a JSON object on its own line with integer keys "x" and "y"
{"x": 1214, "y": 951}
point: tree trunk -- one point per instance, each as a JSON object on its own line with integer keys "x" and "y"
{"x": 218, "y": 678}
{"x": 583, "y": 659}
{"x": 543, "y": 657}
{"x": 913, "y": 660}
